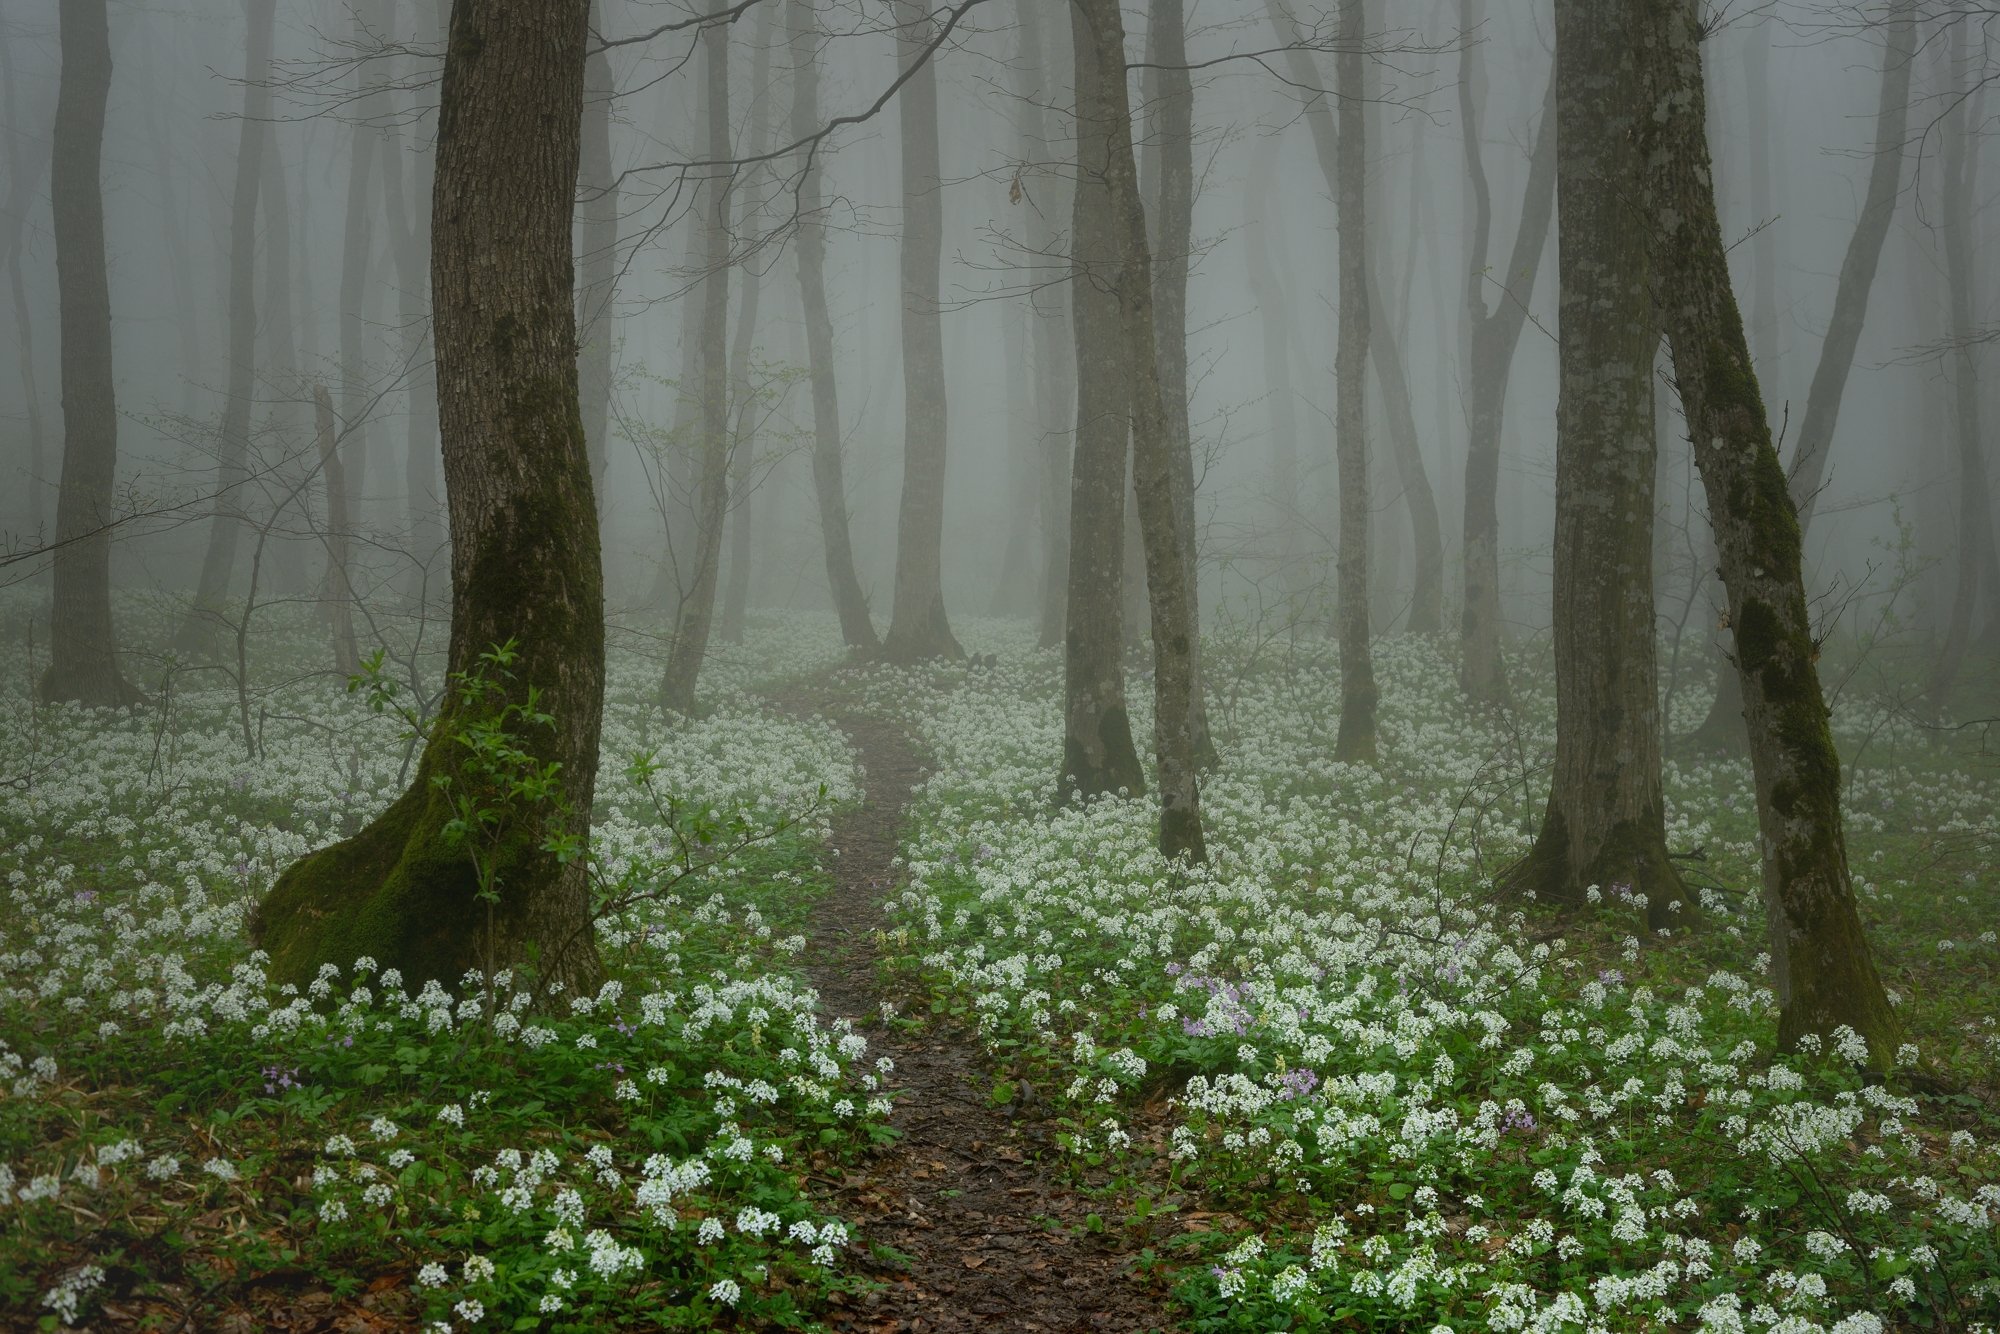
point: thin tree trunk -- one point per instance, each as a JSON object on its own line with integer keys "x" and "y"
{"x": 918, "y": 626}
{"x": 1494, "y": 335}
{"x": 1262, "y": 211}
{"x": 23, "y": 180}
{"x": 1605, "y": 824}
{"x": 357, "y": 251}
{"x": 743, "y": 406}
{"x": 697, "y": 609}
{"x": 829, "y": 481}
{"x": 278, "y": 331}
{"x": 1355, "y": 741}
{"x": 1012, "y": 588}
{"x": 1857, "y": 270}
{"x": 1824, "y": 974}
{"x": 525, "y": 563}
{"x": 1426, "y": 533}
{"x": 83, "y": 662}
{"x": 597, "y": 262}
{"x": 340, "y": 589}
{"x": 198, "y": 629}
{"x": 1047, "y": 195}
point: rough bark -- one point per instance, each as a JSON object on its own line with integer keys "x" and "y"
{"x": 711, "y": 502}
{"x": 339, "y": 588}
{"x": 1825, "y": 976}
{"x": 1605, "y": 824}
{"x": 1098, "y": 753}
{"x": 83, "y": 662}
{"x": 742, "y": 393}
{"x": 597, "y": 262}
{"x": 1494, "y": 334}
{"x": 918, "y": 626}
{"x": 1108, "y": 183}
{"x": 829, "y": 480}
{"x": 525, "y": 564}
{"x": 198, "y": 631}
{"x": 1857, "y": 269}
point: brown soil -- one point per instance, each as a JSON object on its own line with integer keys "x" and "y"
{"x": 983, "y": 1235}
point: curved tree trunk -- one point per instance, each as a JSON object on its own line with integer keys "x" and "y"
{"x": 1606, "y": 819}
{"x": 829, "y": 480}
{"x": 199, "y": 629}
{"x": 525, "y": 566}
{"x": 697, "y": 608}
{"x": 1825, "y": 976}
{"x": 83, "y": 662}
{"x": 918, "y": 626}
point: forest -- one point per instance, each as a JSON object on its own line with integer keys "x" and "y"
{"x": 1029, "y": 665}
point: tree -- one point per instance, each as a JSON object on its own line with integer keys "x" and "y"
{"x": 829, "y": 476}
{"x": 407, "y": 889}
{"x": 339, "y": 588}
{"x": 1495, "y": 333}
{"x": 22, "y": 181}
{"x": 1276, "y": 334}
{"x": 1824, "y": 974}
{"x": 597, "y": 260}
{"x": 83, "y": 662}
{"x": 918, "y": 626}
{"x": 1107, "y": 192}
{"x": 711, "y": 501}
{"x": 218, "y": 564}
{"x": 1605, "y": 823}
{"x": 1047, "y": 196}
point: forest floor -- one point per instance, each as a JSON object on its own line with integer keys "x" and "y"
{"x": 966, "y": 1225}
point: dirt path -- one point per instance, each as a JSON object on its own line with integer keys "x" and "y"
{"x": 986, "y": 1235}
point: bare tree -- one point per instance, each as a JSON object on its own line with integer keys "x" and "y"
{"x": 339, "y": 587}
{"x": 22, "y": 182}
{"x": 1047, "y": 195}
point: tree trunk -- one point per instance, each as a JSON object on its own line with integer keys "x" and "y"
{"x": 742, "y": 393}
{"x": 1262, "y": 211}
{"x": 1098, "y": 753}
{"x": 918, "y": 627}
{"x": 1857, "y": 270}
{"x": 697, "y": 609}
{"x": 1606, "y": 819}
{"x": 525, "y": 566}
{"x": 1426, "y": 534}
{"x": 339, "y": 589}
{"x": 1825, "y": 976}
{"x": 1047, "y": 195}
{"x": 1013, "y": 593}
{"x": 197, "y": 634}
{"x": 23, "y": 181}
{"x": 1108, "y": 185}
{"x": 1494, "y": 335}
{"x": 1355, "y": 741}
{"x": 829, "y": 481}
{"x": 83, "y": 663}
{"x": 597, "y": 260}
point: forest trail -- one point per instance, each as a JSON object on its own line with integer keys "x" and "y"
{"x": 989, "y": 1238}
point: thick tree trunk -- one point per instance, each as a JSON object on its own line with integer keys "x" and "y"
{"x": 697, "y": 607}
{"x": 1098, "y": 753}
{"x": 1046, "y": 193}
{"x": 1606, "y": 819}
{"x": 525, "y": 567}
{"x": 199, "y": 629}
{"x": 1355, "y": 741}
{"x": 83, "y": 663}
{"x": 1857, "y": 269}
{"x": 1825, "y": 976}
{"x": 829, "y": 480}
{"x": 918, "y": 626}
{"x": 339, "y": 588}
{"x": 742, "y": 393}
{"x": 1494, "y": 335}
{"x": 597, "y": 263}
{"x": 1108, "y": 183}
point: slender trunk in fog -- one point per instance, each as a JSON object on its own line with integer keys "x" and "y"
{"x": 681, "y": 473}
{"x": 1108, "y": 184}
{"x": 1857, "y": 270}
{"x": 918, "y": 626}
{"x": 525, "y": 566}
{"x": 339, "y": 588}
{"x": 200, "y": 626}
{"x": 83, "y": 662}
{"x": 278, "y": 332}
{"x": 1605, "y": 824}
{"x": 1426, "y": 534}
{"x": 1495, "y": 334}
{"x": 597, "y": 262}
{"x": 22, "y": 182}
{"x": 1046, "y": 194}
{"x": 1261, "y": 204}
{"x": 357, "y": 250}
{"x": 742, "y": 394}
{"x": 1824, "y": 974}
{"x": 697, "y": 608}
{"x": 1012, "y": 591}
{"x": 829, "y": 481}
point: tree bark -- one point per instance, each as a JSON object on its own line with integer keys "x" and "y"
{"x": 1824, "y": 974}
{"x": 829, "y": 480}
{"x": 525, "y": 566}
{"x": 1494, "y": 335}
{"x": 1605, "y": 824}
{"x": 697, "y": 608}
{"x": 198, "y": 631}
{"x": 1857, "y": 269}
{"x": 339, "y": 588}
{"x": 1108, "y": 183}
{"x": 597, "y": 256}
{"x": 83, "y": 661}
{"x": 918, "y": 626}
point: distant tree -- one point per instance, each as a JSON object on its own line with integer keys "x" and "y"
{"x": 1825, "y": 976}
{"x": 1276, "y": 334}
{"x": 339, "y": 586}
{"x": 407, "y": 890}
{"x": 83, "y": 661}
{"x": 918, "y": 626}
{"x": 24, "y": 177}
{"x": 1042, "y": 71}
